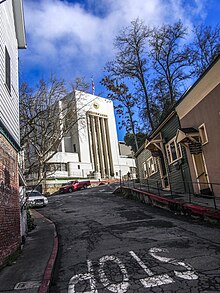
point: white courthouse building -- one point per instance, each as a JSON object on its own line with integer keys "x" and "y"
{"x": 91, "y": 149}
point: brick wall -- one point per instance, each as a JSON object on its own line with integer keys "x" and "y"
{"x": 9, "y": 201}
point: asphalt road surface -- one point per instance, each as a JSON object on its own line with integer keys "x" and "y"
{"x": 108, "y": 243}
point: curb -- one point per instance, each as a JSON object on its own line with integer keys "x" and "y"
{"x": 45, "y": 283}
{"x": 170, "y": 204}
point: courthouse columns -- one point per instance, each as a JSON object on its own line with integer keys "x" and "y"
{"x": 104, "y": 147}
{"x": 109, "y": 148}
{"x": 94, "y": 145}
{"x": 100, "y": 144}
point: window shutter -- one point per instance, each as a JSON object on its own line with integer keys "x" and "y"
{"x": 7, "y": 70}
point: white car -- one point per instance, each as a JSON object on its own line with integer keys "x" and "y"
{"x": 36, "y": 199}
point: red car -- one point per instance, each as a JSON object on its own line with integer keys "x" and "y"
{"x": 74, "y": 185}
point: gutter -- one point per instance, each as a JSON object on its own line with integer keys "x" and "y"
{"x": 19, "y": 23}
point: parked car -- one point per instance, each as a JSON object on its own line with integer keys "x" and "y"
{"x": 36, "y": 199}
{"x": 74, "y": 185}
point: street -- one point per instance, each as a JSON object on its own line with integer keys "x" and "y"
{"x": 108, "y": 243}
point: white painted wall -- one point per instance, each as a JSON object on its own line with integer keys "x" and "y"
{"x": 63, "y": 157}
{"x": 85, "y": 102}
{"x": 75, "y": 167}
{"x": 9, "y": 102}
{"x": 124, "y": 165}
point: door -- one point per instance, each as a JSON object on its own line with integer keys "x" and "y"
{"x": 201, "y": 173}
{"x": 163, "y": 172}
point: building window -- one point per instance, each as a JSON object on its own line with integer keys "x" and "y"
{"x": 173, "y": 151}
{"x": 203, "y": 134}
{"x": 53, "y": 167}
{"x": 7, "y": 70}
{"x": 74, "y": 148}
{"x": 78, "y": 166}
{"x": 63, "y": 167}
{"x": 151, "y": 166}
{"x": 133, "y": 170}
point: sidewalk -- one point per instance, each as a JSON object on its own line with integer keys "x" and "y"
{"x": 204, "y": 201}
{"x": 31, "y": 272}
{"x": 179, "y": 203}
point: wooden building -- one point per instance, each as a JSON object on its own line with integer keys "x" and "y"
{"x": 199, "y": 133}
{"x": 12, "y": 38}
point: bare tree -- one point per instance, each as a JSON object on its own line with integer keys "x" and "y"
{"x": 159, "y": 100}
{"x": 158, "y": 64}
{"x": 170, "y": 59}
{"x": 46, "y": 114}
{"x": 204, "y": 48}
{"x": 124, "y": 106}
{"x": 131, "y": 60}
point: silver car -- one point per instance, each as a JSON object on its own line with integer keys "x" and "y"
{"x": 36, "y": 199}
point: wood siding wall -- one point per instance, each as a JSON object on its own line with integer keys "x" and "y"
{"x": 9, "y": 101}
{"x": 141, "y": 158}
{"x": 178, "y": 171}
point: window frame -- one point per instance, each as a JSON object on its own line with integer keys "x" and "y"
{"x": 178, "y": 151}
{"x": 203, "y": 134}
{"x": 56, "y": 167}
{"x": 145, "y": 169}
{"x": 149, "y": 170}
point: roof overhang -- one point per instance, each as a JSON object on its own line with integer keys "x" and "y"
{"x": 161, "y": 125}
{"x": 186, "y": 135}
{"x": 154, "y": 146}
{"x": 19, "y": 23}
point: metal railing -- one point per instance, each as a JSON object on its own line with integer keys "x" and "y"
{"x": 203, "y": 193}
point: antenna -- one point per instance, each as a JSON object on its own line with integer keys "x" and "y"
{"x": 93, "y": 86}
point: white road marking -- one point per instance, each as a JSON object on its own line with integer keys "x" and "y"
{"x": 151, "y": 281}
{"x": 82, "y": 277}
{"x": 188, "y": 275}
{"x": 156, "y": 281}
{"x": 27, "y": 285}
{"x": 140, "y": 262}
{"x": 117, "y": 288}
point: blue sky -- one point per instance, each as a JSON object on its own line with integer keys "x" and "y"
{"x": 75, "y": 38}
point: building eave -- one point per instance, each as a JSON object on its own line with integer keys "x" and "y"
{"x": 4, "y": 131}
{"x": 19, "y": 23}
{"x": 141, "y": 148}
{"x": 186, "y": 134}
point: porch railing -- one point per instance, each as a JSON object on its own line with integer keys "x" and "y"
{"x": 208, "y": 195}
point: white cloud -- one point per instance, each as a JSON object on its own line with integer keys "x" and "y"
{"x": 70, "y": 39}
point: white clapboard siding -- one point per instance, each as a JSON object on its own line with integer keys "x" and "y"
{"x": 9, "y": 102}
